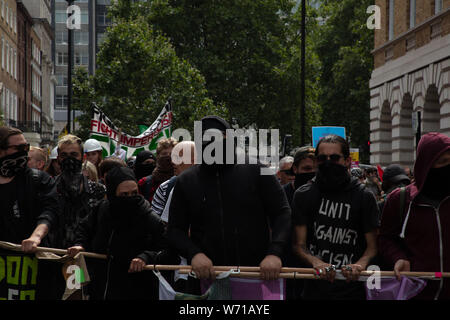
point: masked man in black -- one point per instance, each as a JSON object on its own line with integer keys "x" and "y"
{"x": 335, "y": 220}
{"x": 29, "y": 206}
{"x": 78, "y": 196}
{"x": 228, "y": 214}
{"x": 28, "y": 200}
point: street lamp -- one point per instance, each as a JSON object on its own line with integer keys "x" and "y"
{"x": 69, "y": 70}
{"x": 303, "y": 74}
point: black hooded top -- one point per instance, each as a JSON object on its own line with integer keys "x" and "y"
{"x": 234, "y": 215}
{"x": 123, "y": 236}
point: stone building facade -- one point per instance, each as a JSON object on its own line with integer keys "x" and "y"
{"x": 410, "y": 84}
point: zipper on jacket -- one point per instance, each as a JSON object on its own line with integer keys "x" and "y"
{"x": 441, "y": 253}
{"x": 109, "y": 265}
{"x": 441, "y": 245}
{"x": 219, "y": 193}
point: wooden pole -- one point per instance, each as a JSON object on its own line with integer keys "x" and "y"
{"x": 302, "y": 271}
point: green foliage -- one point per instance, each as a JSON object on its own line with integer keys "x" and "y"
{"x": 239, "y": 59}
{"x": 138, "y": 71}
{"x": 344, "y": 49}
{"x": 247, "y": 51}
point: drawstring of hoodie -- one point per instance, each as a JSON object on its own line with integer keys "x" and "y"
{"x": 402, "y": 235}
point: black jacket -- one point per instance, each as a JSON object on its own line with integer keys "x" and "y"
{"x": 236, "y": 216}
{"x": 38, "y": 204}
{"x": 73, "y": 210}
{"x": 139, "y": 235}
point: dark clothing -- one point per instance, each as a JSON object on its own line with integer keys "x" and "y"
{"x": 235, "y": 215}
{"x": 136, "y": 235}
{"x": 28, "y": 200}
{"x": 289, "y": 191}
{"x": 421, "y": 233}
{"x": 75, "y": 209}
{"x": 337, "y": 222}
{"x": 382, "y": 202}
{"x": 294, "y": 288}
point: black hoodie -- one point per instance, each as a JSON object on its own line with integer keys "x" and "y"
{"x": 235, "y": 215}
{"x": 336, "y": 224}
{"x": 134, "y": 235}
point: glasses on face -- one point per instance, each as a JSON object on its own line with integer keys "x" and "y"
{"x": 21, "y": 147}
{"x": 333, "y": 158}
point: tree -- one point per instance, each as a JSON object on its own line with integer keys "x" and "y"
{"x": 138, "y": 71}
{"x": 247, "y": 51}
{"x": 344, "y": 49}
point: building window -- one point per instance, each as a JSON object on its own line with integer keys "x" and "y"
{"x": 438, "y": 6}
{"x": 391, "y": 20}
{"x": 3, "y": 53}
{"x": 7, "y": 57}
{"x": 102, "y": 19}
{"x": 15, "y": 64}
{"x": 61, "y": 16}
{"x": 84, "y": 18}
{"x": 11, "y": 61}
{"x": 80, "y": 37}
{"x": 81, "y": 59}
{"x": 412, "y": 13}
{"x": 61, "y": 37}
{"x": 61, "y": 101}
{"x": 62, "y": 80}
{"x": 62, "y": 59}
{"x": 104, "y": 2}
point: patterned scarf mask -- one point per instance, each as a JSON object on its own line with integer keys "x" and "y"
{"x": 71, "y": 178}
{"x": 13, "y": 164}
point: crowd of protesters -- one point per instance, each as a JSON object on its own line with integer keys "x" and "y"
{"x": 316, "y": 212}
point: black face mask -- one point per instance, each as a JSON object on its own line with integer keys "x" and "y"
{"x": 71, "y": 179}
{"x": 13, "y": 164}
{"x": 332, "y": 176}
{"x": 144, "y": 169}
{"x": 437, "y": 184}
{"x": 71, "y": 165}
{"x": 303, "y": 178}
{"x": 123, "y": 208}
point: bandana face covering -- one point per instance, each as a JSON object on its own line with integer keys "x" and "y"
{"x": 124, "y": 208}
{"x": 332, "y": 176}
{"x": 437, "y": 185}
{"x": 13, "y": 164}
{"x": 71, "y": 165}
{"x": 71, "y": 178}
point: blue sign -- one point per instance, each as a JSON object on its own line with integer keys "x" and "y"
{"x": 320, "y": 132}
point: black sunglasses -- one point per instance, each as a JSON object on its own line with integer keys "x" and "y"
{"x": 333, "y": 157}
{"x": 21, "y": 147}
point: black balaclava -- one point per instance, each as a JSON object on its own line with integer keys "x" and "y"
{"x": 143, "y": 170}
{"x": 71, "y": 178}
{"x": 214, "y": 122}
{"x": 437, "y": 184}
{"x": 121, "y": 208}
{"x": 13, "y": 164}
{"x": 303, "y": 178}
{"x": 332, "y": 176}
